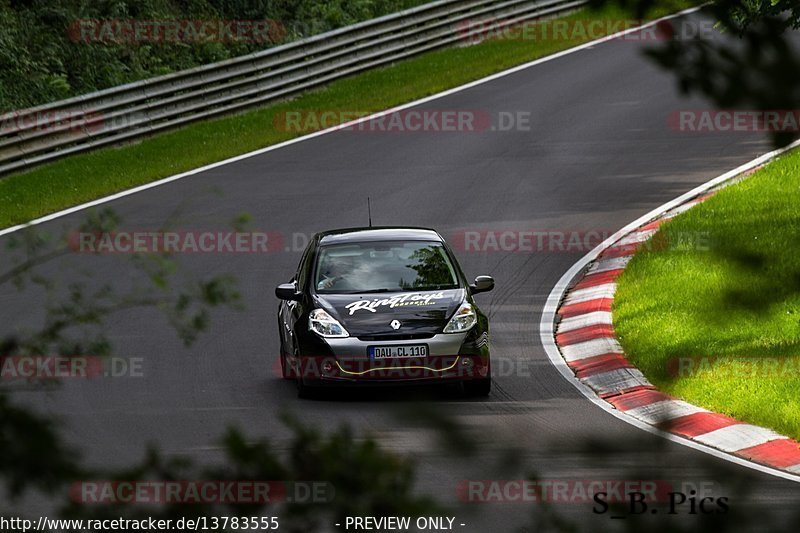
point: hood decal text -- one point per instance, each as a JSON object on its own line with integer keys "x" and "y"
{"x": 415, "y": 299}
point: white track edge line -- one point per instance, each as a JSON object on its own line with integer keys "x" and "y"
{"x": 373, "y": 116}
{"x": 548, "y": 316}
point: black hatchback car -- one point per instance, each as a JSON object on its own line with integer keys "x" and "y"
{"x": 382, "y": 306}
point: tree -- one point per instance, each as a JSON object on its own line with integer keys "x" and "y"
{"x": 749, "y": 63}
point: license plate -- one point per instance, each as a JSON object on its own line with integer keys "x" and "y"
{"x": 398, "y": 352}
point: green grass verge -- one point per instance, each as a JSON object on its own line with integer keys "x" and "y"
{"x": 726, "y": 287}
{"x": 89, "y": 176}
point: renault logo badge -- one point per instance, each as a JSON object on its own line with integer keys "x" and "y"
{"x": 395, "y": 324}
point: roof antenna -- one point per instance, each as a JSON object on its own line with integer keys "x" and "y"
{"x": 369, "y": 211}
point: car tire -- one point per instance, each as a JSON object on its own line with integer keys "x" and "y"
{"x": 477, "y": 387}
{"x": 286, "y": 371}
{"x": 304, "y": 392}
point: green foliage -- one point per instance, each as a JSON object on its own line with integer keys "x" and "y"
{"x": 747, "y": 12}
{"x": 43, "y": 59}
{"x": 751, "y": 63}
{"x": 33, "y": 454}
{"x": 732, "y": 296}
{"x": 359, "y": 477}
{"x": 83, "y": 177}
{"x": 737, "y": 15}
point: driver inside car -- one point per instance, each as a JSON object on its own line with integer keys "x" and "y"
{"x": 333, "y": 270}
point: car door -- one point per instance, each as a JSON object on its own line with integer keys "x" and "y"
{"x": 292, "y": 310}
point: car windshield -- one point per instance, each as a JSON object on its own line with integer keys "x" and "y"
{"x": 384, "y": 267}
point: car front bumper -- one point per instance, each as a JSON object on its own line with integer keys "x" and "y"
{"x": 451, "y": 357}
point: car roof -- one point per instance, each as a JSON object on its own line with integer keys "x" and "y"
{"x": 383, "y": 233}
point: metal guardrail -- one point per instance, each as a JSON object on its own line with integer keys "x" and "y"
{"x": 138, "y": 109}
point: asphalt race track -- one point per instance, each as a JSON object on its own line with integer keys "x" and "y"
{"x": 598, "y": 154}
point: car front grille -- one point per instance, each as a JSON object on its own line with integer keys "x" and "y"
{"x": 395, "y": 337}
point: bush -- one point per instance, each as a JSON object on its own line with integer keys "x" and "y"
{"x": 42, "y": 58}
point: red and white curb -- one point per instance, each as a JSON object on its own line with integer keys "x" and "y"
{"x": 585, "y": 337}
{"x": 578, "y": 333}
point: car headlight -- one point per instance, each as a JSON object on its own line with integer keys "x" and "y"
{"x": 462, "y": 320}
{"x": 323, "y": 324}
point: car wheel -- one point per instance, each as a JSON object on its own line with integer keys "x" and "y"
{"x": 288, "y": 371}
{"x": 304, "y": 392}
{"x": 285, "y": 371}
{"x": 478, "y": 387}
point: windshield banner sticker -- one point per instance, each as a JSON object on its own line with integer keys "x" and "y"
{"x": 395, "y": 301}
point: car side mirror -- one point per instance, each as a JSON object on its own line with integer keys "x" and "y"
{"x": 482, "y": 284}
{"x": 287, "y": 291}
